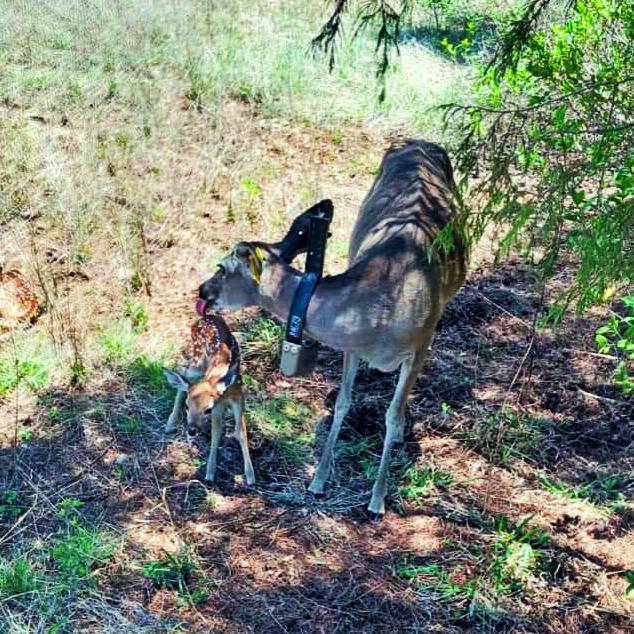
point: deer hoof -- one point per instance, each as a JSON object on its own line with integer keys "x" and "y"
{"x": 316, "y": 488}
{"x": 375, "y": 518}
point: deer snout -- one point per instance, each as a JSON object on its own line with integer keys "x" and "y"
{"x": 192, "y": 431}
{"x": 208, "y": 291}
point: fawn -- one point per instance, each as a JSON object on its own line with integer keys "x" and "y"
{"x": 211, "y": 381}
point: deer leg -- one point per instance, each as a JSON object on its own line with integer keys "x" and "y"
{"x": 241, "y": 435}
{"x": 216, "y": 433}
{"x": 342, "y": 406}
{"x": 395, "y": 426}
{"x": 176, "y": 411}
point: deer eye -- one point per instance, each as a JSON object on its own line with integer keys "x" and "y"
{"x": 208, "y": 411}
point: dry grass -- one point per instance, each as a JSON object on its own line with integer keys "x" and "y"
{"x": 140, "y": 140}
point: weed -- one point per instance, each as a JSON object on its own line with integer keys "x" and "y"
{"x": 31, "y": 362}
{"x": 68, "y": 509}
{"x": 448, "y": 584}
{"x": 422, "y": 482}
{"x": 506, "y": 437}
{"x": 606, "y": 491}
{"x": 25, "y": 434}
{"x": 251, "y": 199}
{"x": 617, "y": 337}
{"x": 176, "y": 572}
{"x": 117, "y": 342}
{"x": 134, "y": 310}
{"x": 516, "y": 553}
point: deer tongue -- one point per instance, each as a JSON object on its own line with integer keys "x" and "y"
{"x": 201, "y": 304}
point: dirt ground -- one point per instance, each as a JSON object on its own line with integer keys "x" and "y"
{"x": 521, "y": 436}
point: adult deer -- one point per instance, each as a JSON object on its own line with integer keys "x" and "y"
{"x": 385, "y": 307}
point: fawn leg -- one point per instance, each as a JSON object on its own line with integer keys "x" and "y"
{"x": 241, "y": 435}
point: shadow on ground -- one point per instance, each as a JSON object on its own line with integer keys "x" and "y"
{"x": 519, "y": 523}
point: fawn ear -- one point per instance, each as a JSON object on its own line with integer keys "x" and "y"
{"x": 177, "y": 380}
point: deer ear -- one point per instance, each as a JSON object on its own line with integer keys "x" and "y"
{"x": 177, "y": 380}
{"x": 296, "y": 239}
{"x": 254, "y": 256}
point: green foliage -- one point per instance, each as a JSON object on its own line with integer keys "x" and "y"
{"x": 176, "y": 572}
{"x": 549, "y": 133}
{"x": 517, "y": 553}
{"x": 507, "y": 436}
{"x": 171, "y": 572}
{"x": 134, "y": 310}
{"x": 263, "y": 339}
{"x": 447, "y": 583}
{"x": 18, "y": 578}
{"x": 282, "y": 419}
{"x": 606, "y": 491}
{"x": 118, "y": 342}
{"x": 81, "y": 551}
{"x": 480, "y": 576}
{"x": 10, "y": 506}
{"x": 617, "y": 338}
{"x": 554, "y": 113}
{"x": 68, "y": 508}
{"x": 421, "y": 482}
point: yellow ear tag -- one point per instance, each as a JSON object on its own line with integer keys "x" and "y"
{"x": 255, "y": 264}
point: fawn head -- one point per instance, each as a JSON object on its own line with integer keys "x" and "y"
{"x": 203, "y": 395}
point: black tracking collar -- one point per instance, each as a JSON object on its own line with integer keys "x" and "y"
{"x": 317, "y": 237}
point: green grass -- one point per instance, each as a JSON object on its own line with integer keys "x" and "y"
{"x": 82, "y": 551}
{"x": 117, "y": 342}
{"x": 607, "y": 492}
{"x": 32, "y": 363}
{"x": 177, "y": 572}
{"x": 476, "y": 578}
{"x": 18, "y": 579}
{"x": 506, "y": 437}
{"x": 440, "y": 580}
{"x": 262, "y": 339}
{"x": 283, "y": 420}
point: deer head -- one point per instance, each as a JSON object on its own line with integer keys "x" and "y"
{"x": 235, "y": 283}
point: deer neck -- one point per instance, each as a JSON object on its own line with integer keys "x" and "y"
{"x": 277, "y": 288}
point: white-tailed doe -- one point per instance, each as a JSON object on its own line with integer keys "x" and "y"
{"x": 209, "y": 383}
{"x": 385, "y": 307}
